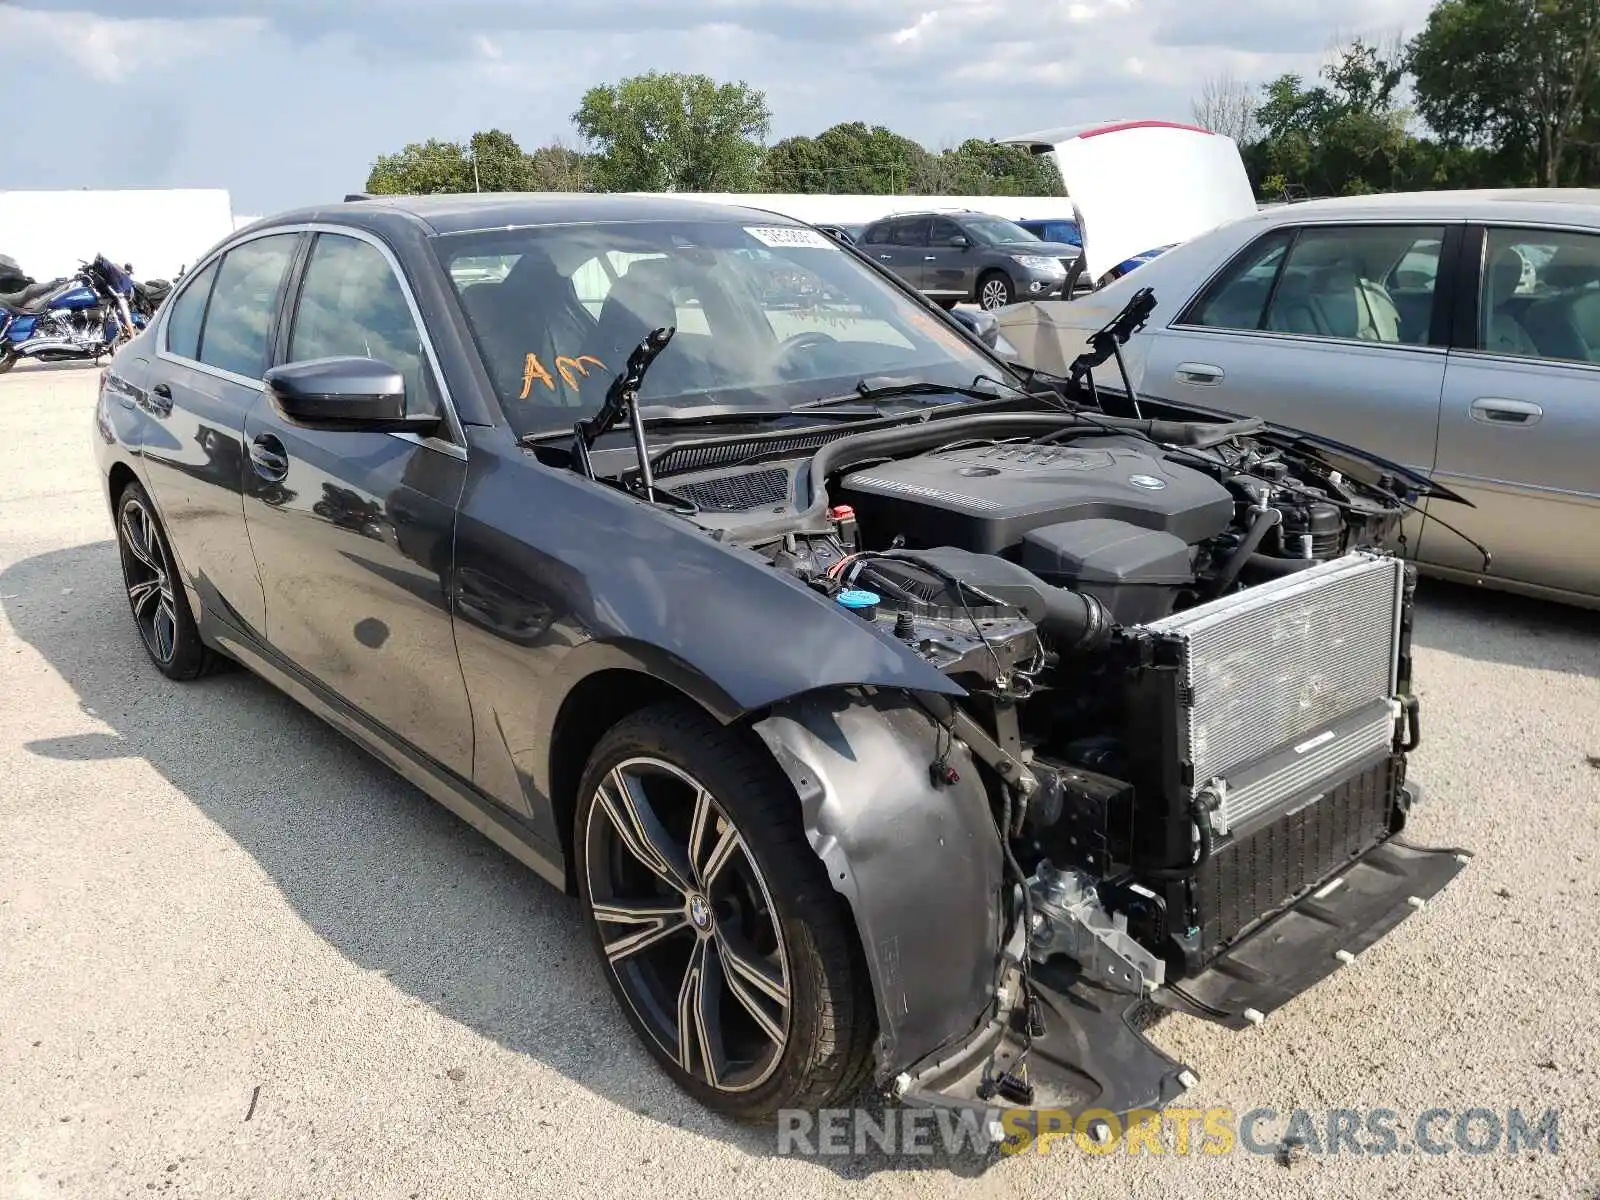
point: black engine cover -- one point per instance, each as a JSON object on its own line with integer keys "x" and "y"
{"x": 985, "y": 498}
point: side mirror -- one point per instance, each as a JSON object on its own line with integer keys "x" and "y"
{"x": 960, "y": 241}
{"x": 982, "y": 324}
{"x": 344, "y": 393}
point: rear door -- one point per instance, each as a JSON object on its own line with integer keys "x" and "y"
{"x": 901, "y": 244}
{"x": 1337, "y": 330}
{"x": 206, "y": 375}
{"x": 1519, "y": 433}
{"x": 353, "y": 531}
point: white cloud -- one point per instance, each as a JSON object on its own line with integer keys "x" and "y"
{"x": 913, "y": 31}
{"x": 346, "y": 80}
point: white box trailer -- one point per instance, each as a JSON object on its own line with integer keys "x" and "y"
{"x": 157, "y": 230}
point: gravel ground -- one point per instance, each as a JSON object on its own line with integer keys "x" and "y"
{"x": 239, "y": 957}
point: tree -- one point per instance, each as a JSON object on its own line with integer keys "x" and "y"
{"x": 1345, "y": 135}
{"x": 1227, "y": 106}
{"x": 498, "y": 163}
{"x": 1517, "y": 74}
{"x": 849, "y": 158}
{"x": 674, "y": 133}
{"x": 421, "y": 169}
{"x": 555, "y": 168}
{"x": 980, "y": 168}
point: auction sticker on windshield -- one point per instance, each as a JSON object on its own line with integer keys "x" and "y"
{"x": 787, "y": 235}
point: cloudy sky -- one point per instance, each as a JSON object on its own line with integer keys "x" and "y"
{"x": 289, "y": 102}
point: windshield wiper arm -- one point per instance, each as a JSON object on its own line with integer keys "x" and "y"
{"x": 622, "y": 400}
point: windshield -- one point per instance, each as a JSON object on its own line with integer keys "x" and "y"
{"x": 995, "y": 230}
{"x": 767, "y": 317}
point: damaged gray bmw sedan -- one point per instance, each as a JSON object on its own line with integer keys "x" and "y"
{"x": 901, "y": 721}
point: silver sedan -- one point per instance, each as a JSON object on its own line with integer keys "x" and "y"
{"x": 1457, "y": 333}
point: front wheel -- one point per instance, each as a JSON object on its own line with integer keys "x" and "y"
{"x": 994, "y": 291}
{"x": 732, "y": 958}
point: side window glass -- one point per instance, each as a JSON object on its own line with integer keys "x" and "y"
{"x": 1540, "y": 296}
{"x": 1237, "y": 299}
{"x": 943, "y": 231}
{"x": 239, "y": 320}
{"x": 878, "y": 234}
{"x": 352, "y": 304}
{"x": 1334, "y": 284}
{"x": 912, "y": 231}
{"x": 188, "y": 310}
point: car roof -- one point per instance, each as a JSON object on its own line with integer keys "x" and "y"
{"x": 1574, "y": 206}
{"x": 473, "y": 211}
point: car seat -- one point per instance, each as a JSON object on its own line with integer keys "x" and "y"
{"x": 1503, "y": 332}
{"x": 533, "y": 310}
{"x": 638, "y": 303}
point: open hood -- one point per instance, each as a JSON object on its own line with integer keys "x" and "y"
{"x": 1141, "y": 184}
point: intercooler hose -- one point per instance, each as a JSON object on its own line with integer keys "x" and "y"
{"x": 1268, "y": 565}
{"x": 1077, "y": 622}
{"x": 1260, "y": 525}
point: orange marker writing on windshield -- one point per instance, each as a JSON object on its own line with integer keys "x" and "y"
{"x": 566, "y": 365}
{"x": 533, "y": 369}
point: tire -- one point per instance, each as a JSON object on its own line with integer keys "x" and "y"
{"x": 791, "y": 1024}
{"x": 994, "y": 290}
{"x": 947, "y": 304}
{"x": 8, "y": 359}
{"x": 156, "y": 597}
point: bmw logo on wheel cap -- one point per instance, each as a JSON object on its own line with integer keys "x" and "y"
{"x": 1148, "y": 482}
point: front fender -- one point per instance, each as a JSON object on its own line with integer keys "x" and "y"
{"x": 920, "y": 864}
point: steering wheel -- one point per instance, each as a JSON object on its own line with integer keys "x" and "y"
{"x": 808, "y": 340}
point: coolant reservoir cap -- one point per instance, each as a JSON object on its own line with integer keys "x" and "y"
{"x": 856, "y": 598}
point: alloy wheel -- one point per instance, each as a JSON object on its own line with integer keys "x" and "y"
{"x": 995, "y": 295}
{"x": 687, "y": 924}
{"x": 148, "y": 578}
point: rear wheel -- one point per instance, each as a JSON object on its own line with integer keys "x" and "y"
{"x": 155, "y": 593}
{"x": 994, "y": 291}
{"x": 732, "y": 957}
{"x": 8, "y": 359}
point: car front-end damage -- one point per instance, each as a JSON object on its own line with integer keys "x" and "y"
{"x": 1173, "y": 769}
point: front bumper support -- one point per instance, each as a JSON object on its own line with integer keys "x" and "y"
{"x": 1091, "y": 1055}
{"x": 1301, "y": 946}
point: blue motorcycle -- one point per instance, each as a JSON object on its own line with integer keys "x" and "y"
{"x": 84, "y": 317}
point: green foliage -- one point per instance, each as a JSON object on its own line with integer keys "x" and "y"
{"x": 1522, "y": 76}
{"x": 1350, "y": 134}
{"x": 849, "y": 158}
{"x": 490, "y": 161}
{"x": 871, "y": 160}
{"x": 674, "y": 133}
{"x": 422, "y": 168}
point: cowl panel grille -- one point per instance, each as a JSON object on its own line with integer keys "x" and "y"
{"x": 738, "y": 493}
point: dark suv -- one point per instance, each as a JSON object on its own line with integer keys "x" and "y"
{"x": 956, "y": 256}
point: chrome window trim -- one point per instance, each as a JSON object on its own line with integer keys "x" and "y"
{"x": 1315, "y": 339}
{"x": 1298, "y": 227}
{"x": 455, "y": 446}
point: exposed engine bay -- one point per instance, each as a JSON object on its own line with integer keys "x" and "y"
{"x": 1186, "y": 659}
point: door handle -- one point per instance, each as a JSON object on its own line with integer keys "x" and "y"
{"x": 930, "y": 258}
{"x": 1491, "y": 411}
{"x": 884, "y": 257}
{"x": 1199, "y": 373}
{"x": 268, "y": 457}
